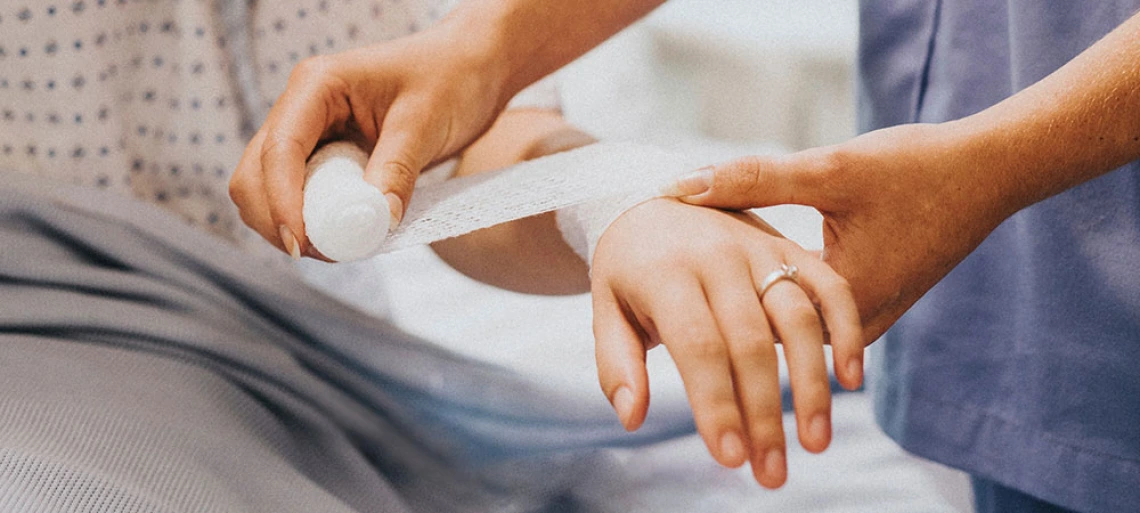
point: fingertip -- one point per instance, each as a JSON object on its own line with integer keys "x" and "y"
{"x": 620, "y": 359}
{"x": 630, "y": 400}
{"x": 733, "y": 450}
{"x": 396, "y": 207}
{"x": 622, "y": 402}
{"x": 817, "y": 436}
{"x": 396, "y": 180}
{"x": 853, "y": 377}
{"x": 289, "y": 242}
{"x": 630, "y": 409}
{"x": 771, "y": 471}
{"x": 690, "y": 186}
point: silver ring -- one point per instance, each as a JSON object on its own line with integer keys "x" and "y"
{"x": 785, "y": 272}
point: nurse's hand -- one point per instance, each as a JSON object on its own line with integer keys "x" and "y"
{"x": 416, "y": 101}
{"x": 901, "y": 207}
{"x": 691, "y": 279}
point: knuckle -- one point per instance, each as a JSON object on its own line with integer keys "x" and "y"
{"x": 399, "y": 167}
{"x": 399, "y": 175}
{"x": 766, "y": 430}
{"x": 312, "y": 67}
{"x": 717, "y": 410}
{"x": 754, "y": 347}
{"x": 700, "y": 348}
{"x": 837, "y": 159}
{"x": 237, "y": 190}
{"x": 834, "y": 166}
{"x": 813, "y": 395}
{"x": 278, "y": 145}
{"x": 714, "y": 246}
{"x": 746, "y": 174}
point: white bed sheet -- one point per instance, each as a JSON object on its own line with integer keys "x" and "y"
{"x": 549, "y": 339}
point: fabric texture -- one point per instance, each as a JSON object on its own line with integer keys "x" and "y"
{"x": 1019, "y": 366}
{"x": 990, "y": 497}
{"x": 573, "y": 178}
{"x": 151, "y": 367}
{"x": 590, "y": 186}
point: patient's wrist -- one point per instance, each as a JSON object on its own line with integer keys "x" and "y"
{"x": 564, "y": 139}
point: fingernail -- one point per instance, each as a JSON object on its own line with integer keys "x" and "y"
{"x": 396, "y": 206}
{"x": 855, "y": 371}
{"x": 623, "y": 405}
{"x": 774, "y": 463}
{"x": 290, "y": 242}
{"x": 690, "y": 184}
{"x": 732, "y": 447}
{"x": 820, "y": 427}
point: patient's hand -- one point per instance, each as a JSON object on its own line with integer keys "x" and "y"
{"x": 689, "y": 278}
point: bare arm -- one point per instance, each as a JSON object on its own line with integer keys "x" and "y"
{"x": 1078, "y": 123}
{"x": 530, "y": 39}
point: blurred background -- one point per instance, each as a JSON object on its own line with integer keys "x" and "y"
{"x": 718, "y": 80}
{"x": 756, "y": 75}
{"x": 743, "y": 77}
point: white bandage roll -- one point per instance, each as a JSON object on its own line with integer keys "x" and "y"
{"x": 346, "y": 218}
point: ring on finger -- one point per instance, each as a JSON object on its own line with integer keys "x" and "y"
{"x": 785, "y": 272}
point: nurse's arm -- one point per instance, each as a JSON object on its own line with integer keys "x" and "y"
{"x": 1075, "y": 125}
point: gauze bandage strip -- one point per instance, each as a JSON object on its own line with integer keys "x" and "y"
{"x": 608, "y": 174}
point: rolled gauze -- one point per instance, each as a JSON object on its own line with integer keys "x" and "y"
{"x": 339, "y": 225}
{"x": 345, "y": 217}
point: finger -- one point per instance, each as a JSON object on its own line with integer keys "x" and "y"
{"x": 248, "y": 194}
{"x": 752, "y": 182}
{"x": 686, "y": 326}
{"x": 620, "y": 355}
{"x": 841, "y": 315}
{"x": 307, "y": 109}
{"x": 755, "y": 369}
{"x": 409, "y": 141}
{"x": 794, "y": 319}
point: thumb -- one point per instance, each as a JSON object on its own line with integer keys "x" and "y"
{"x": 621, "y": 361}
{"x": 750, "y": 182}
{"x": 408, "y": 142}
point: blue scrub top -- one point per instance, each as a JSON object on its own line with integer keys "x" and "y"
{"x": 1022, "y": 365}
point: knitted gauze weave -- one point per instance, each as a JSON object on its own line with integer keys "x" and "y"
{"x": 347, "y": 219}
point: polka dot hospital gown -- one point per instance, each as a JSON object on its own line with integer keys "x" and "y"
{"x": 157, "y": 98}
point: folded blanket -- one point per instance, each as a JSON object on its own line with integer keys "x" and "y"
{"x": 149, "y": 367}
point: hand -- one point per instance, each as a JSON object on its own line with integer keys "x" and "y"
{"x": 668, "y": 273}
{"x": 416, "y": 101}
{"x": 901, "y": 207}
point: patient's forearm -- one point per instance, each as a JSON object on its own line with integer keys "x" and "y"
{"x": 528, "y": 39}
{"x": 527, "y": 255}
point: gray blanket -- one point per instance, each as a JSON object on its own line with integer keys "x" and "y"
{"x": 146, "y": 367}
